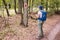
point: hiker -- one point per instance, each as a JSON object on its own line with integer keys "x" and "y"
{"x": 42, "y": 15}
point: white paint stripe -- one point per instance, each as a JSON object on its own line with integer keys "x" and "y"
{"x": 53, "y": 33}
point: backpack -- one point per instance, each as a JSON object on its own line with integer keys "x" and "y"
{"x": 44, "y": 16}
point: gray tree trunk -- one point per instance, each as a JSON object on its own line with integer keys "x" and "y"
{"x": 25, "y": 16}
{"x": 20, "y": 6}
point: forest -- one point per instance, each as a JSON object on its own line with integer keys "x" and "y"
{"x": 18, "y": 19}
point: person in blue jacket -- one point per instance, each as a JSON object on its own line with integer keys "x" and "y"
{"x": 42, "y": 15}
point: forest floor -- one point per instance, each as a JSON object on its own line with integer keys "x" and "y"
{"x": 12, "y": 30}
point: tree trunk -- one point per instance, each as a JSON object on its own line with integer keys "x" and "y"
{"x": 20, "y": 6}
{"x": 25, "y": 16}
{"x": 46, "y": 5}
{"x": 6, "y": 7}
{"x": 20, "y": 2}
{"x": 57, "y": 6}
{"x": 15, "y": 6}
{"x": 41, "y": 2}
{"x": 31, "y": 7}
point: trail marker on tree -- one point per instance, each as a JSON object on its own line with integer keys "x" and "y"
{"x": 25, "y": 14}
{"x": 25, "y": 5}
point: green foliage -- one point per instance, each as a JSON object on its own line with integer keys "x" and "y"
{"x": 52, "y": 5}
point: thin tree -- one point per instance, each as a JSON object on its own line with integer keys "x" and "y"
{"x": 15, "y": 6}
{"x": 46, "y": 5}
{"x": 57, "y": 4}
{"x": 31, "y": 5}
{"x": 6, "y": 7}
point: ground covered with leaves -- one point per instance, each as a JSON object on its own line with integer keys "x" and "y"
{"x": 12, "y": 30}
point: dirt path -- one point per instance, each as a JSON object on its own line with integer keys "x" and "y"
{"x": 15, "y": 31}
{"x": 53, "y": 35}
{"x": 54, "y": 32}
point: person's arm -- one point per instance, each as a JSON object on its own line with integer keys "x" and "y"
{"x": 38, "y": 15}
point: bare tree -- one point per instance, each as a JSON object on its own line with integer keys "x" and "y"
{"x": 15, "y": 6}
{"x": 31, "y": 7}
{"x": 46, "y": 5}
{"x": 6, "y": 7}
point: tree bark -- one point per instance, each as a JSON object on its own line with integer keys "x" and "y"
{"x": 20, "y": 6}
{"x": 6, "y": 7}
{"x": 15, "y": 6}
{"x": 25, "y": 16}
{"x": 46, "y": 5}
{"x": 31, "y": 7}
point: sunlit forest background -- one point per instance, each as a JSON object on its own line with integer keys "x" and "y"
{"x": 49, "y": 5}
